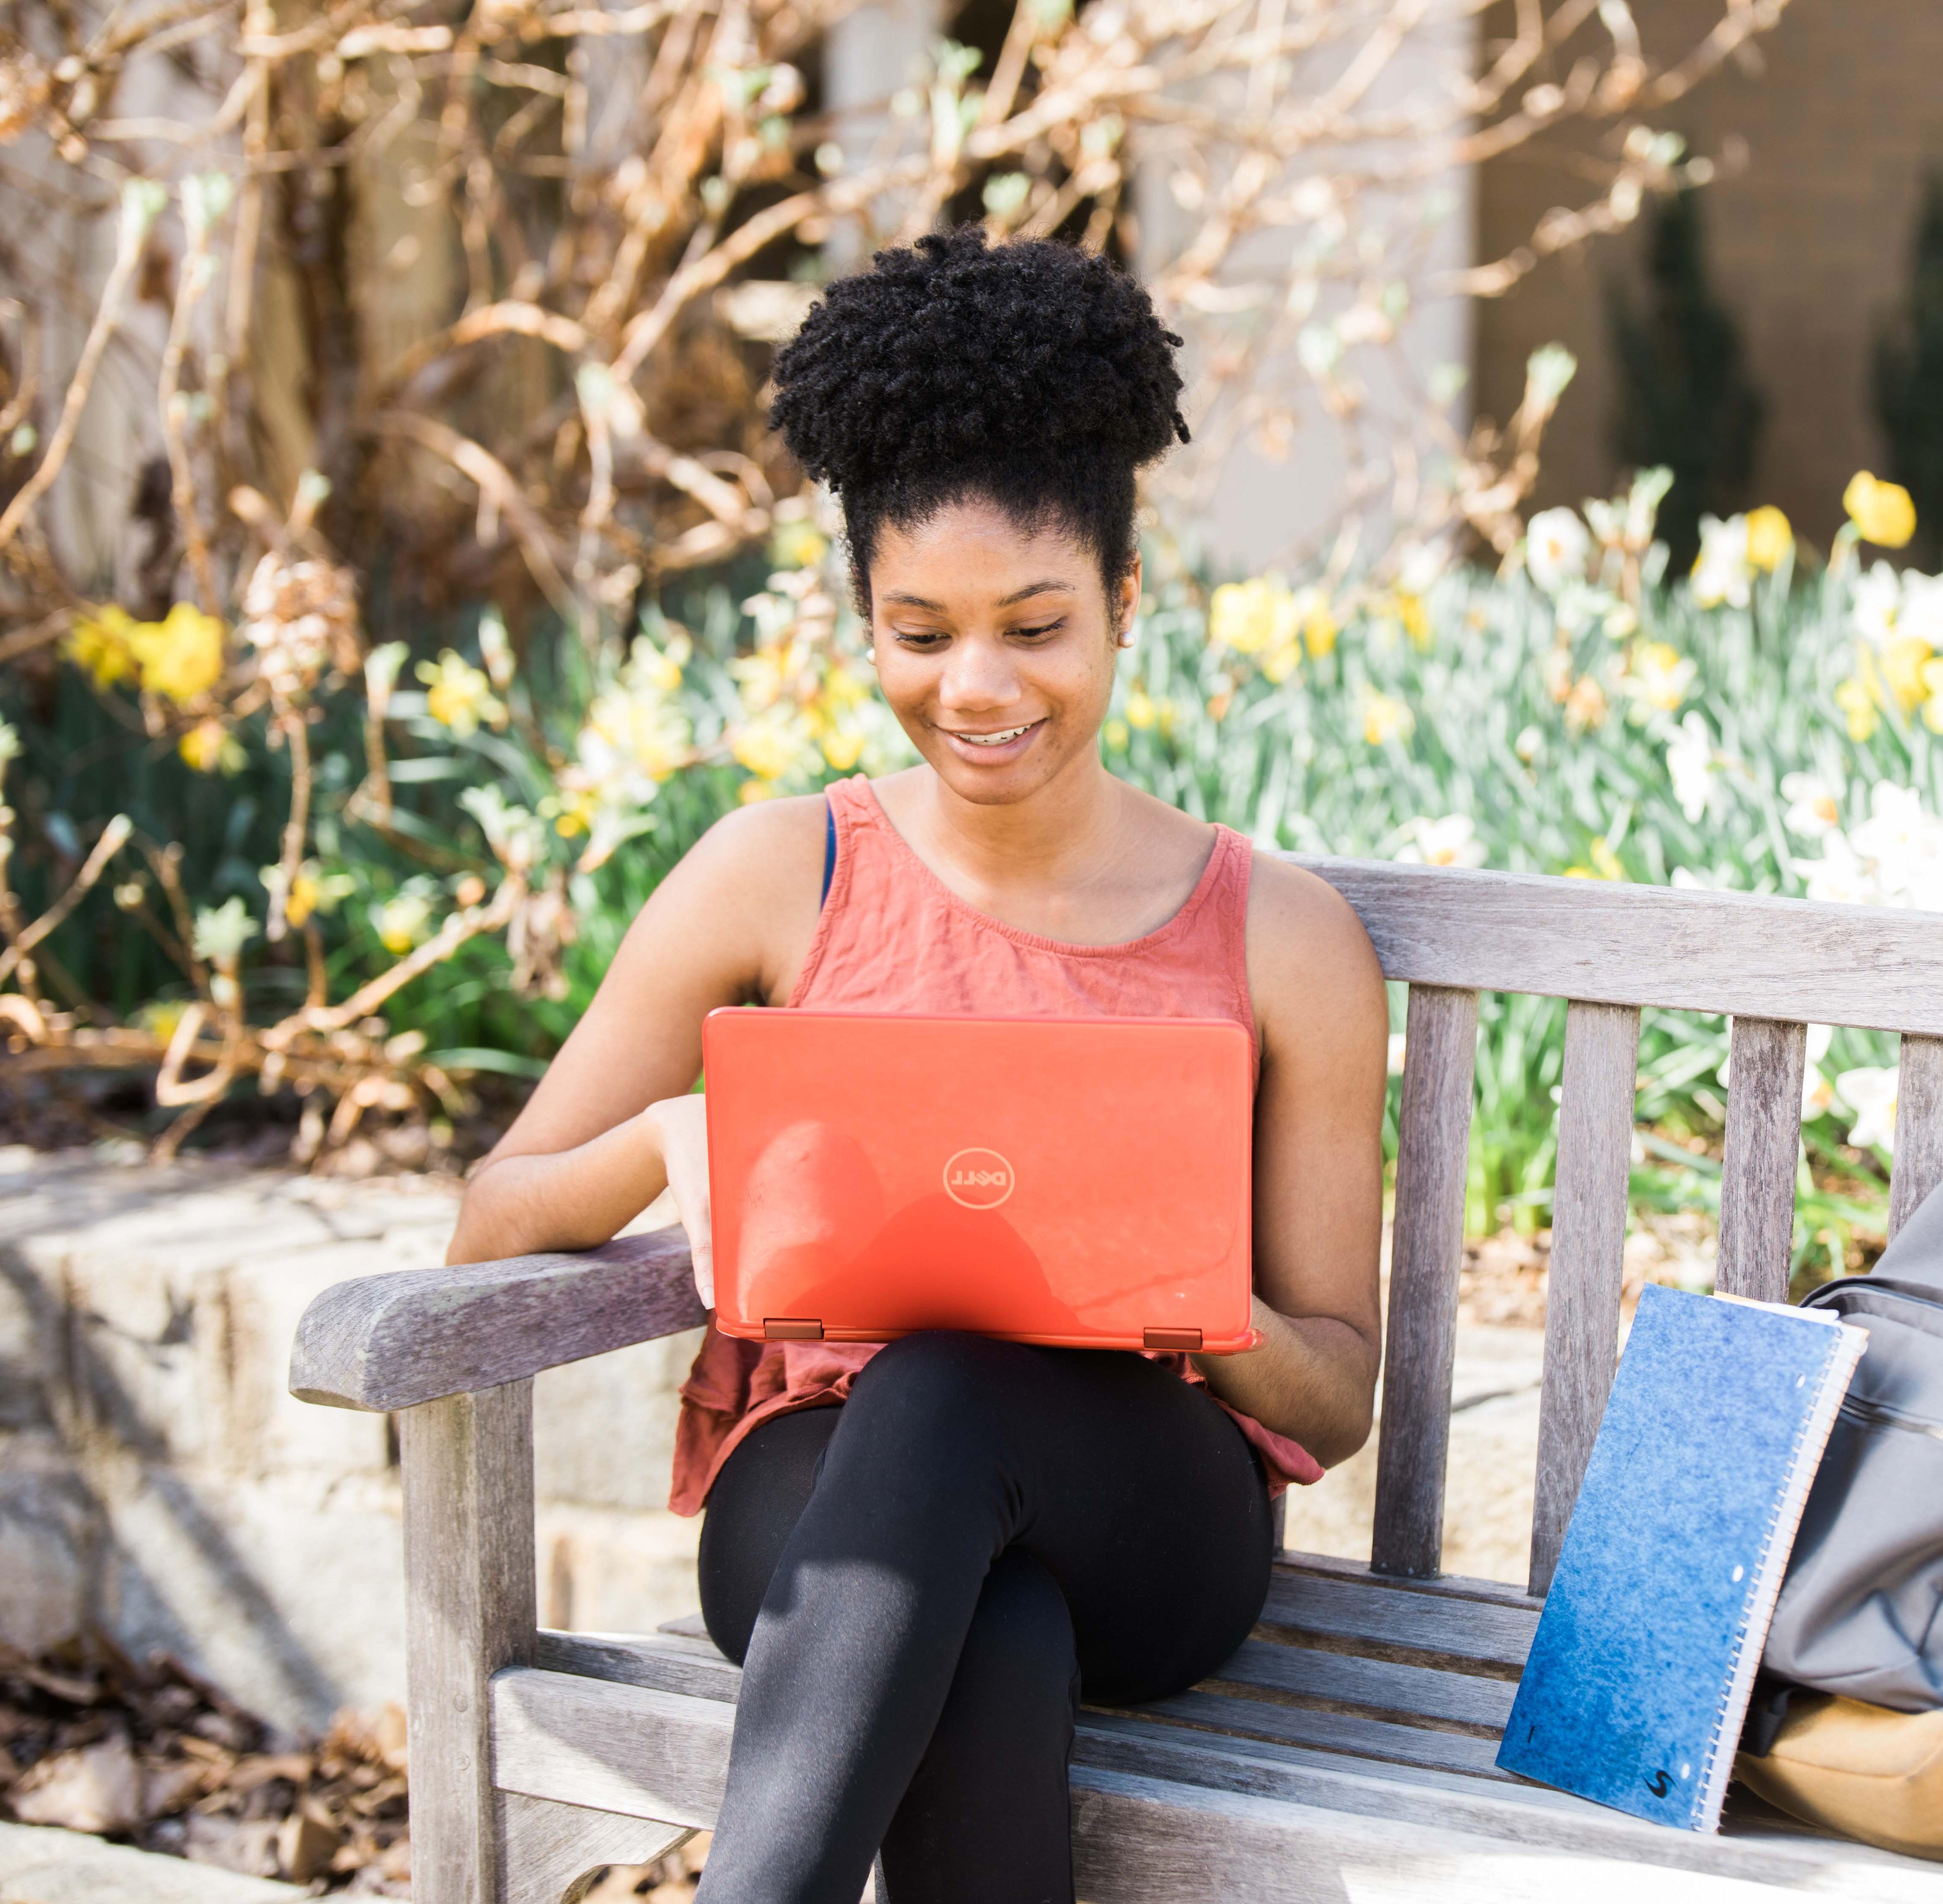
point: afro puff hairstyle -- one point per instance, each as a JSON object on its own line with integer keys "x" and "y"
{"x": 1032, "y": 374}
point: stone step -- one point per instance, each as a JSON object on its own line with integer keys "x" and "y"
{"x": 41, "y": 1864}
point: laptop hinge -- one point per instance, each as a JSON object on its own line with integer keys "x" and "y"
{"x": 1177, "y": 1340}
{"x": 797, "y": 1329}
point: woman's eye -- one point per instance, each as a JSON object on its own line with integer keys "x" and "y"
{"x": 1044, "y": 627}
{"x": 919, "y": 637}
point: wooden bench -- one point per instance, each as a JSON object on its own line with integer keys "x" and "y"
{"x": 1345, "y": 1753}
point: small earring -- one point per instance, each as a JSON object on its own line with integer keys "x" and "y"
{"x": 870, "y": 654}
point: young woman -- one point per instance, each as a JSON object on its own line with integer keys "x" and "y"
{"x": 925, "y": 1554}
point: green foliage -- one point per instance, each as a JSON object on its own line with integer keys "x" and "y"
{"x": 1686, "y": 401}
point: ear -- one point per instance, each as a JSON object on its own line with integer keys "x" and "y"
{"x": 1127, "y": 604}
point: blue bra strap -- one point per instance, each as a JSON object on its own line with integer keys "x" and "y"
{"x": 829, "y": 849}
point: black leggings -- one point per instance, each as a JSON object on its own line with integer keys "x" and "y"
{"x": 920, "y": 1582}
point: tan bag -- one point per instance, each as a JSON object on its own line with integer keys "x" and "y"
{"x": 1860, "y": 1769}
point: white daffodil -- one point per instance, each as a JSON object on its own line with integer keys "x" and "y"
{"x": 1921, "y": 612}
{"x": 1556, "y": 545}
{"x": 1722, "y": 572}
{"x": 1451, "y": 841}
{"x": 1905, "y": 845}
{"x": 1878, "y": 597}
{"x": 1813, "y": 809}
{"x": 1840, "y": 876}
{"x": 1396, "y": 1054}
{"x": 1817, "y": 1093}
{"x": 1870, "y": 1092}
{"x": 1689, "y": 761}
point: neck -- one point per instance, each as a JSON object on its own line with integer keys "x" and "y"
{"x": 1053, "y": 837}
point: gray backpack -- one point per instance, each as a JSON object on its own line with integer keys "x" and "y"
{"x": 1861, "y": 1612}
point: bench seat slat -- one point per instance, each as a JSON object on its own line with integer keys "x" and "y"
{"x": 1423, "y": 1624}
{"x": 1375, "y": 1685}
{"x": 642, "y": 1753}
{"x": 1353, "y": 1734}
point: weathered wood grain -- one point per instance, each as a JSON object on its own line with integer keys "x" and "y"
{"x": 1275, "y": 1668}
{"x": 1765, "y": 1061}
{"x": 1331, "y": 1826}
{"x": 1149, "y": 1840}
{"x": 1588, "y": 1240}
{"x": 1380, "y": 1686}
{"x": 1426, "y": 1253}
{"x": 1355, "y": 1734}
{"x": 1442, "y": 1835}
{"x": 547, "y": 1845}
{"x": 1617, "y": 944}
{"x": 1919, "y": 1129}
{"x": 624, "y": 1748}
{"x": 1428, "y": 1624}
{"x": 393, "y": 1341}
{"x": 467, "y": 1464}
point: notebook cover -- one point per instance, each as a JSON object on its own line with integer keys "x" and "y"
{"x": 1638, "y": 1678}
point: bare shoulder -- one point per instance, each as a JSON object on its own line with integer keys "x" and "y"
{"x": 741, "y": 903}
{"x": 768, "y": 839}
{"x": 1311, "y": 967}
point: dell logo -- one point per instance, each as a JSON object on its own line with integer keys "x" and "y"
{"x": 981, "y": 1180}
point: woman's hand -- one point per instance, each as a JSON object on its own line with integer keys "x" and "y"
{"x": 680, "y": 1124}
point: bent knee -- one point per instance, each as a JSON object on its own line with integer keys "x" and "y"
{"x": 940, "y": 1379}
{"x": 1019, "y": 1661}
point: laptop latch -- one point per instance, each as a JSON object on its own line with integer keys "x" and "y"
{"x": 797, "y": 1329}
{"x": 1179, "y": 1341}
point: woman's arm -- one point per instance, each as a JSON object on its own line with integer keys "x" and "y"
{"x": 613, "y": 1121}
{"x": 1324, "y": 1021}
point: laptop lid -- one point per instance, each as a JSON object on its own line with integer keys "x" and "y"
{"x": 1084, "y": 1183}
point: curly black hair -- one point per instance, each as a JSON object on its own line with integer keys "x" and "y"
{"x": 1031, "y": 374}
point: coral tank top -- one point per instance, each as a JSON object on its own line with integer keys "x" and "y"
{"x": 894, "y": 938}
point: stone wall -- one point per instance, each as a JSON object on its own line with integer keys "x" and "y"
{"x": 157, "y": 1482}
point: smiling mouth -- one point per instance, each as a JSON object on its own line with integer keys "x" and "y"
{"x": 1004, "y": 736}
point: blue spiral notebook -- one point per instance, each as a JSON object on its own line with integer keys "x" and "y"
{"x": 1638, "y": 1679}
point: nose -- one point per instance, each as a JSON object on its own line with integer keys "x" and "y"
{"x": 979, "y": 676}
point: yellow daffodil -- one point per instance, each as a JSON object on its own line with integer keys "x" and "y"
{"x": 1903, "y": 659}
{"x": 797, "y": 545}
{"x": 1856, "y": 702}
{"x": 210, "y": 748}
{"x": 1933, "y": 688}
{"x": 1584, "y": 705}
{"x": 302, "y": 900}
{"x": 577, "y": 809}
{"x": 1660, "y": 675}
{"x": 771, "y": 743}
{"x": 1386, "y": 718}
{"x": 1883, "y": 512}
{"x": 1115, "y": 736}
{"x": 459, "y": 695}
{"x": 98, "y": 643}
{"x": 1605, "y": 864}
{"x": 1409, "y": 610}
{"x": 1140, "y": 710}
{"x": 1770, "y": 538}
{"x": 402, "y": 921}
{"x": 1242, "y": 615}
{"x": 1319, "y": 625}
{"x": 181, "y": 656}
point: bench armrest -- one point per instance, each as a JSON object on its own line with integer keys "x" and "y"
{"x": 383, "y": 1342}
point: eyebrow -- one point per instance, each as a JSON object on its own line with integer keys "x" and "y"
{"x": 1047, "y": 587}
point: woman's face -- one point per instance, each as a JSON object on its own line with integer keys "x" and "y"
{"x": 995, "y": 647}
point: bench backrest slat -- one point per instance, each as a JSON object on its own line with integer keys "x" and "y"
{"x": 1610, "y": 948}
{"x": 1766, "y": 1060}
{"x": 1919, "y": 1128}
{"x": 1588, "y": 1242}
{"x": 1426, "y": 1252}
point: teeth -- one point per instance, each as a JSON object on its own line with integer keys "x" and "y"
{"x": 994, "y": 740}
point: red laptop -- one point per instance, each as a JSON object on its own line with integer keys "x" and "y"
{"x": 1084, "y": 1183}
